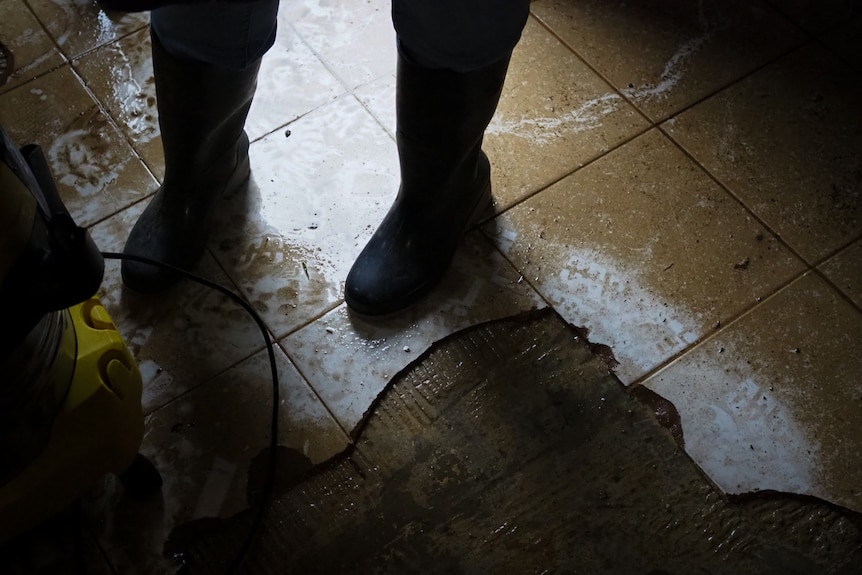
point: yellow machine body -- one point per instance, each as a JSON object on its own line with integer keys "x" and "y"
{"x": 98, "y": 429}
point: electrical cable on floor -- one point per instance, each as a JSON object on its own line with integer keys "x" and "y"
{"x": 269, "y": 478}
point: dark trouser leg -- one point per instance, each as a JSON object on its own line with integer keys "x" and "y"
{"x": 449, "y": 80}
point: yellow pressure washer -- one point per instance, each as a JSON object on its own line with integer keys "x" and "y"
{"x": 70, "y": 390}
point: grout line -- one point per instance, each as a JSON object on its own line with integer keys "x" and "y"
{"x": 592, "y": 68}
{"x": 734, "y": 319}
{"x": 633, "y": 136}
{"x": 313, "y": 390}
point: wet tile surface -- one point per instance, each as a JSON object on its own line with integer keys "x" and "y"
{"x": 786, "y": 142}
{"x": 845, "y": 270}
{"x": 645, "y": 251}
{"x": 81, "y": 25}
{"x": 314, "y": 199}
{"x": 292, "y": 82}
{"x": 206, "y": 445}
{"x": 555, "y": 115}
{"x": 665, "y": 176}
{"x": 96, "y": 172}
{"x": 665, "y": 56}
{"x": 353, "y": 358}
{"x": 357, "y": 44}
{"x": 121, "y": 76}
{"x": 33, "y": 51}
{"x": 182, "y": 338}
{"x": 759, "y": 400}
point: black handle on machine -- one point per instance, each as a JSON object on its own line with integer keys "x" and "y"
{"x": 58, "y": 266}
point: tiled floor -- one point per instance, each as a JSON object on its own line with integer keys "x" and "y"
{"x": 682, "y": 178}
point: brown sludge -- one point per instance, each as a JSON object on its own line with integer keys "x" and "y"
{"x": 511, "y": 448}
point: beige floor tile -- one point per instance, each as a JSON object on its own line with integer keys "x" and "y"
{"x": 774, "y": 401}
{"x": 120, "y": 74}
{"x": 845, "y": 270}
{"x": 665, "y": 56}
{"x": 33, "y": 52}
{"x": 204, "y": 445}
{"x": 356, "y": 41}
{"x": 555, "y": 115}
{"x": 314, "y": 200}
{"x": 786, "y": 141}
{"x": 645, "y": 250}
{"x": 292, "y": 81}
{"x": 379, "y": 97}
{"x": 81, "y": 25}
{"x": 352, "y": 358}
{"x": 96, "y": 171}
{"x": 180, "y": 338}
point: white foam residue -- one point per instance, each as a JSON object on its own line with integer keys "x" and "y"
{"x": 740, "y": 432}
{"x": 743, "y": 434}
{"x": 76, "y": 165}
{"x": 132, "y": 98}
{"x": 587, "y": 116}
{"x": 676, "y": 67}
{"x": 673, "y": 72}
{"x": 610, "y": 299}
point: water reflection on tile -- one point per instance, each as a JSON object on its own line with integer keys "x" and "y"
{"x": 356, "y": 41}
{"x": 665, "y": 56}
{"x": 32, "y": 50}
{"x": 121, "y": 76}
{"x": 292, "y": 81}
{"x": 353, "y": 358}
{"x": 786, "y": 141}
{"x": 315, "y": 197}
{"x": 555, "y": 115}
{"x": 81, "y": 25}
{"x": 96, "y": 171}
{"x": 759, "y": 399}
{"x": 205, "y": 445}
{"x": 182, "y": 337}
{"x": 645, "y": 251}
{"x": 379, "y": 97}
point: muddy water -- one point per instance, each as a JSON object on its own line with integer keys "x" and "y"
{"x": 510, "y": 448}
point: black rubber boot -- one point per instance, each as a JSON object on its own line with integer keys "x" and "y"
{"x": 445, "y": 184}
{"x": 202, "y": 111}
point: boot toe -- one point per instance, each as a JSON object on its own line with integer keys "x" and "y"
{"x": 374, "y": 292}
{"x": 163, "y": 235}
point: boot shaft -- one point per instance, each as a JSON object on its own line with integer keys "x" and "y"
{"x": 202, "y": 110}
{"x": 441, "y": 120}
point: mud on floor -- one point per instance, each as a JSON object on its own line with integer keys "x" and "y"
{"x": 511, "y": 448}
